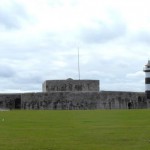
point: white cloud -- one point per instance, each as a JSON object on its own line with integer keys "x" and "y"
{"x": 39, "y": 41}
{"x": 136, "y": 74}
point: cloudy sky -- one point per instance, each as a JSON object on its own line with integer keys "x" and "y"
{"x": 39, "y": 41}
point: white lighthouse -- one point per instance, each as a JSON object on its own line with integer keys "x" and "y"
{"x": 147, "y": 79}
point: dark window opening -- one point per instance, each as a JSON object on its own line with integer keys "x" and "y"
{"x": 147, "y": 80}
{"x": 17, "y": 103}
{"x": 148, "y": 96}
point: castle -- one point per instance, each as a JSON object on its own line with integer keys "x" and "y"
{"x": 77, "y": 94}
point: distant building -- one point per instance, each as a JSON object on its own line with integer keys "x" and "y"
{"x": 78, "y": 94}
{"x": 147, "y": 79}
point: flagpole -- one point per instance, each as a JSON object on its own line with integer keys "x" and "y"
{"x": 78, "y": 63}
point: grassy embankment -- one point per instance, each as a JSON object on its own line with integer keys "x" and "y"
{"x": 75, "y": 130}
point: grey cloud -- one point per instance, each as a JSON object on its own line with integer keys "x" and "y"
{"x": 6, "y": 71}
{"x": 49, "y": 48}
{"x": 26, "y": 81}
{"x": 112, "y": 73}
{"x": 10, "y": 15}
{"x": 104, "y": 33}
{"x": 34, "y": 79}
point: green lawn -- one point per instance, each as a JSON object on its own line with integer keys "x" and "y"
{"x": 75, "y": 130}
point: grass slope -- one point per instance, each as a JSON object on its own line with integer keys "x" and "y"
{"x": 75, "y": 130}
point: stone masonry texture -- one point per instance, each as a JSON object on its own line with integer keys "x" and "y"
{"x": 70, "y": 85}
{"x": 84, "y": 100}
{"x": 74, "y": 95}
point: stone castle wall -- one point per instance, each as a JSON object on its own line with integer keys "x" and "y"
{"x": 74, "y": 95}
{"x": 10, "y": 101}
{"x": 84, "y": 100}
{"x": 60, "y": 100}
{"x": 122, "y": 100}
{"x": 74, "y": 100}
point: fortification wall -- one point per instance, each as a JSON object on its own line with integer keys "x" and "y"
{"x": 75, "y": 100}
{"x": 122, "y": 100}
{"x": 60, "y": 100}
{"x": 70, "y": 85}
{"x": 10, "y": 101}
{"x": 84, "y": 100}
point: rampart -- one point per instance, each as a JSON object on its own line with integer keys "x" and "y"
{"x": 84, "y": 100}
{"x": 10, "y": 101}
{"x": 74, "y": 95}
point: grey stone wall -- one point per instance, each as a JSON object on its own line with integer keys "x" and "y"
{"x": 70, "y": 85}
{"x": 84, "y": 100}
{"x": 60, "y": 100}
{"x": 10, "y": 101}
{"x": 75, "y": 100}
{"x": 122, "y": 100}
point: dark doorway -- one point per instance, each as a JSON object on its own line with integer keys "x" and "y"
{"x": 130, "y": 105}
{"x": 17, "y": 103}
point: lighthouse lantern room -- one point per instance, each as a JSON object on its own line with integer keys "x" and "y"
{"x": 147, "y": 79}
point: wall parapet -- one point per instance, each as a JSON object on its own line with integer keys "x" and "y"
{"x": 70, "y": 85}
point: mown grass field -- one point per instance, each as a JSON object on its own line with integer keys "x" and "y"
{"x": 75, "y": 130}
